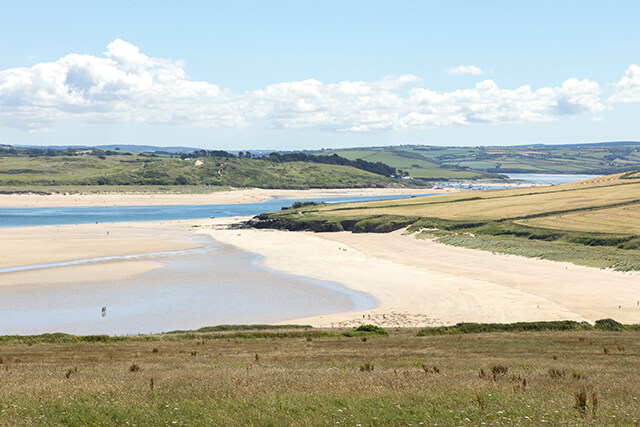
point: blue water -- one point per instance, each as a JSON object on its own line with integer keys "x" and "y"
{"x": 548, "y": 179}
{"x": 520, "y": 179}
{"x": 23, "y": 217}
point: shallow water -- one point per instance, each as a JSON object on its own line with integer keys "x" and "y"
{"x": 524, "y": 179}
{"x": 24, "y": 217}
{"x": 548, "y": 179}
{"x": 218, "y": 285}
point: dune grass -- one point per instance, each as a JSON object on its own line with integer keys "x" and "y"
{"x": 621, "y": 219}
{"x": 400, "y": 379}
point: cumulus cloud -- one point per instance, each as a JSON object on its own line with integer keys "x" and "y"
{"x": 125, "y": 85}
{"x": 470, "y": 70}
{"x": 628, "y": 88}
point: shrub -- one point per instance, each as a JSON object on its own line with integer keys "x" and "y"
{"x": 472, "y": 328}
{"x": 371, "y": 328}
{"x": 364, "y": 330}
{"x": 609, "y": 325}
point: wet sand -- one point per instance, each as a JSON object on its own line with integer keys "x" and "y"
{"x": 54, "y": 244}
{"x": 152, "y": 276}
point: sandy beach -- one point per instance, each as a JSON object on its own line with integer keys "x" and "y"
{"x": 253, "y": 195}
{"x": 420, "y": 282}
{"x": 415, "y": 282}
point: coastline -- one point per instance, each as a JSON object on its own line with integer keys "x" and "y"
{"x": 240, "y": 196}
{"x": 414, "y": 282}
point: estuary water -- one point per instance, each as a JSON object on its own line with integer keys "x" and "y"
{"x": 519, "y": 180}
{"x": 548, "y": 179}
{"x": 24, "y": 217}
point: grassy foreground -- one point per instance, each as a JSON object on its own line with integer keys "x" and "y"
{"x": 533, "y": 378}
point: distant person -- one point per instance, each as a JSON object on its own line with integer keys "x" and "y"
{"x": 104, "y": 311}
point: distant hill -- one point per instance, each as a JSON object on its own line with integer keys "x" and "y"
{"x": 123, "y": 147}
{"x": 588, "y": 144}
{"x": 414, "y": 164}
{"x": 45, "y": 169}
{"x": 425, "y": 161}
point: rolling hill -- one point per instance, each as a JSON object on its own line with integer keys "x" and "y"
{"x": 72, "y": 169}
{"x": 594, "y": 158}
{"x": 415, "y": 164}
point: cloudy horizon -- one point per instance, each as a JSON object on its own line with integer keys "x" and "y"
{"x": 127, "y": 94}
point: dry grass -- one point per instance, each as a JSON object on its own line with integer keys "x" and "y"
{"x": 623, "y": 219}
{"x": 326, "y": 381}
{"x": 500, "y": 204}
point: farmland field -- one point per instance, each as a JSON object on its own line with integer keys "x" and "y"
{"x": 414, "y": 163}
{"x": 597, "y": 159}
{"x": 501, "y": 204}
{"x": 624, "y": 219}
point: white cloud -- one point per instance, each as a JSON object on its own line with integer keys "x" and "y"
{"x": 597, "y": 119}
{"x": 471, "y": 70}
{"x": 628, "y": 88}
{"x": 126, "y": 85}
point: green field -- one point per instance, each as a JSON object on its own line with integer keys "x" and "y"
{"x": 414, "y": 164}
{"x": 306, "y": 377}
{"x": 594, "y": 222}
{"x": 123, "y": 172}
{"x": 597, "y": 159}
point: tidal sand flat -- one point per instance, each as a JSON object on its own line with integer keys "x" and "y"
{"x": 185, "y": 281}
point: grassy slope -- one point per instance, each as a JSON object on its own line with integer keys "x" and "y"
{"x": 586, "y": 158}
{"x": 594, "y": 222}
{"x": 70, "y": 171}
{"x": 432, "y": 380}
{"x": 417, "y": 165}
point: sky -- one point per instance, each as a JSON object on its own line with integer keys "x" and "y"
{"x": 318, "y": 74}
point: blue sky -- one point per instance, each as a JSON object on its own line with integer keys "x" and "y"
{"x": 297, "y": 75}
